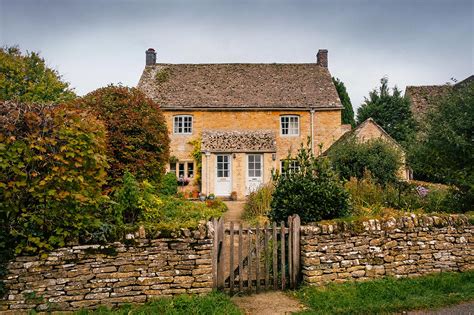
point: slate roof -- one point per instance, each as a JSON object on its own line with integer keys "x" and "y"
{"x": 423, "y": 97}
{"x": 240, "y": 86}
{"x": 238, "y": 141}
{"x": 357, "y": 130}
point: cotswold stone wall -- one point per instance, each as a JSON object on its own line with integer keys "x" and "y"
{"x": 92, "y": 275}
{"x": 403, "y": 247}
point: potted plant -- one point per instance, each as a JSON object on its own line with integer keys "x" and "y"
{"x": 211, "y": 197}
{"x": 233, "y": 196}
{"x": 202, "y": 197}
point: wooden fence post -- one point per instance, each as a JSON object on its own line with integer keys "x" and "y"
{"x": 215, "y": 252}
{"x": 220, "y": 258}
{"x": 296, "y": 248}
{"x": 231, "y": 259}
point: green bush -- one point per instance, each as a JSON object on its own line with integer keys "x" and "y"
{"x": 127, "y": 199}
{"x": 169, "y": 185}
{"x": 314, "y": 191}
{"x": 258, "y": 202}
{"x": 137, "y": 134}
{"x": 52, "y": 169}
{"x": 351, "y": 158}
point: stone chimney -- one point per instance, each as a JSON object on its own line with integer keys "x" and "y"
{"x": 150, "y": 57}
{"x": 322, "y": 58}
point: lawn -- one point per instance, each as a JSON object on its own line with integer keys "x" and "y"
{"x": 389, "y": 295}
{"x": 212, "y": 304}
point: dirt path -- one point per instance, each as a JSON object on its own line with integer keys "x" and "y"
{"x": 268, "y": 303}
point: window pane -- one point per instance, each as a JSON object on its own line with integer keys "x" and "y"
{"x": 183, "y": 124}
{"x": 190, "y": 169}
{"x": 173, "y": 167}
{"x": 181, "y": 170}
{"x": 258, "y": 173}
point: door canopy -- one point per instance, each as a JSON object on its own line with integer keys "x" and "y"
{"x": 238, "y": 141}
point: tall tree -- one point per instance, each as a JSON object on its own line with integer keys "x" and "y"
{"x": 26, "y": 78}
{"x": 348, "y": 111}
{"x": 389, "y": 110}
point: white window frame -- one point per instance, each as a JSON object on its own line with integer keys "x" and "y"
{"x": 179, "y": 122}
{"x": 292, "y": 166}
{"x": 291, "y": 131}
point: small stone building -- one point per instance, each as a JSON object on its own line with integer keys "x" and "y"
{"x": 369, "y": 130}
{"x": 424, "y": 97}
{"x": 246, "y": 118}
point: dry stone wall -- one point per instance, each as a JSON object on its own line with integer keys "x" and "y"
{"x": 92, "y": 275}
{"x": 402, "y": 247}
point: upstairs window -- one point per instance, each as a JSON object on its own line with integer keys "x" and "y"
{"x": 183, "y": 125}
{"x": 290, "y": 125}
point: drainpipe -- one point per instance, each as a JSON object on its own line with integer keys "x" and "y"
{"x": 207, "y": 153}
{"x": 312, "y": 130}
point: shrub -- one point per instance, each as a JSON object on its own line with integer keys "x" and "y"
{"x": 259, "y": 202}
{"x": 127, "y": 197}
{"x": 313, "y": 191}
{"x": 52, "y": 169}
{"x": 137, "y": 134}
{"x": 351, "y": 158}
{"x": 169, "y": 185}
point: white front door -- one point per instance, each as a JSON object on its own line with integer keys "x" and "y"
{"x": 254, "y": 172}
{"x": 223, "y": 175}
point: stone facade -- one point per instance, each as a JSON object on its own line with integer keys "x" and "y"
{"x": 327, "y": 128}
{"x": 88, "y": 276}
{"x": 403, "y": 247}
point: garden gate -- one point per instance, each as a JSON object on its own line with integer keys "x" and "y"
{"x": 252, "y": 259}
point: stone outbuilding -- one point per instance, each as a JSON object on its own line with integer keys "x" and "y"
{"x": 369, "y": 130}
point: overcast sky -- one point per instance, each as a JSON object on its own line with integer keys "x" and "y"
{"x": 96, "y": 42}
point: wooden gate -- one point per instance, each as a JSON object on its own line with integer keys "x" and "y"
{"x": 252, "y": 259}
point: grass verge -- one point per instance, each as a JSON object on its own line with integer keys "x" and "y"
{"x": 389, "y": 295}
{"x": 214, "y": 303}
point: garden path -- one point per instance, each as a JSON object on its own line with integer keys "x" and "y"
{"x": 236, "y": 209}
{"x": 268, "y": 303}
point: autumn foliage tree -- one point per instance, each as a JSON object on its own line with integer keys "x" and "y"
{"x": 27, "y": 78}
{"x": 137, "y": 136}
{"x": 52, "y": 169}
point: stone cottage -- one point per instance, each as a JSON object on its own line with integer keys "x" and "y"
{"x": 246, "y": 118}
